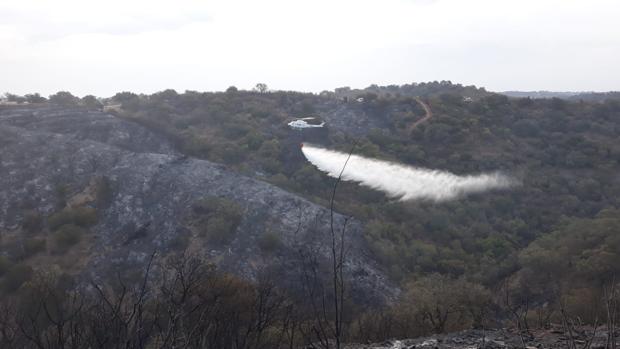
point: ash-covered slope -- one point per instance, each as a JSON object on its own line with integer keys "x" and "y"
{"x": 152, "y": 192}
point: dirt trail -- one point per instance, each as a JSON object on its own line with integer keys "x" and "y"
{"x": 427, "y": 109}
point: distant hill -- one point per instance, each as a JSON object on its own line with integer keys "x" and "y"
{"x": 596, "y": 96}
{"x": 585, "y": 96}
{"x": 422, "y": 89}
{"x": 539, "y": 94}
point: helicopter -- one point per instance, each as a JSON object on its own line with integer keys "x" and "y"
{"x": 302, "y": 123}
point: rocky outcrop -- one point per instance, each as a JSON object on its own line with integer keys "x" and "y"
{"x": 152, "y": 189}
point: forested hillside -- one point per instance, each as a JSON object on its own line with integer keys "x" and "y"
{"x": 565, "y": 154}
{"x": 548, "y": 247}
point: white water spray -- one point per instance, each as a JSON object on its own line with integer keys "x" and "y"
{"x": 401, "y": 181}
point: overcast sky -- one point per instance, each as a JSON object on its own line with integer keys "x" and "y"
{"x": 102, "y": 47}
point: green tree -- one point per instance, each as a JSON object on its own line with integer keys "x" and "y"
{"x": 33, "y": 246}
{"x": 261, "y": 87}
{"x": 91, "y": 101}
{"x": 270, "y": 241}
{"x": 64, "y": 98}
{"x": 67, "y": 236}
{"x": 81, "y": 216}
{"x": 217, "y": 219}
{"x": 15, "y": 277}
{"x": 14, "y": 98}
{"x": 35, "y": 98}
{"x": 441, "y": 300}
{"x": 585, "y": 248}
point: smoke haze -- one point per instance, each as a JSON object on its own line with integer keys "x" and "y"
{"x": 401, "y": 181}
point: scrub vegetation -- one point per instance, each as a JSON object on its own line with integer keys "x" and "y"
{"x": 547, "y": 251}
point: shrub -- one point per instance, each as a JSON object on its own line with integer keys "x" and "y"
{"x": 525, "y": 128}
{"x": 179, "y": 243}
{"x": 219, "y": 231}
{"x": 270, "y": 149}
{"x": 34, "y": 246}
{"x": 104, "y": 192}
{"x": 222, "y": 206}
{"x": 231, "y": 153}
{"x": 60, "y": 218}
{"x": 448, "y": 303}
{"x": 61, "y": 190}
{"x": 253, "y": 140}
{"x": 16, "y": 277}
{"x": 197, "y": 146}
{"x": 33, "y": 222}
{"x": 80, "y": 216}
{"x": 67, "y": 236}
{"x": 5, "y": 265}
{"x": 272, "y": 165}
{"x": 270, "y": 241}
{"x": 219, "y": 218}
{"x": 235, "y": 130}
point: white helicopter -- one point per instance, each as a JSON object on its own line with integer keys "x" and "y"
{"x": 302, "y": 123}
